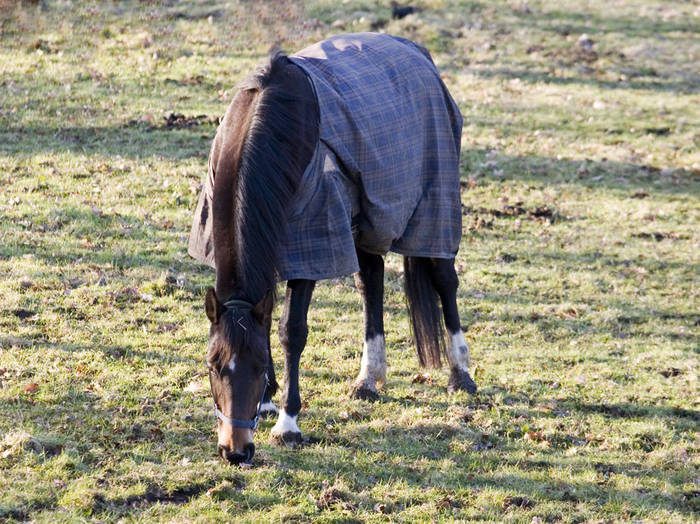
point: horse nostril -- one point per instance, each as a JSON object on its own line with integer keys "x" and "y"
{"x": 235, "y": 457}
{"x": 249, "y": 451}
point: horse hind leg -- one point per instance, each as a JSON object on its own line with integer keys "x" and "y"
{"x": 445, "y": 281}
{"x": 370, "y": 283}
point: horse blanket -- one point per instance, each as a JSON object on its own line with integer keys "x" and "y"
{"x": 385, "y": 172}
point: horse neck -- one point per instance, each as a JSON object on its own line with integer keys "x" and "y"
{"x": 224, "y": 161}
{"x": 264, "y": 148}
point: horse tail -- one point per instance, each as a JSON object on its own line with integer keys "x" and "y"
{"x": 426, "y": 319}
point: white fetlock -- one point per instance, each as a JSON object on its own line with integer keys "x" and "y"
{"x": 269, "y": 407}
{"x": 459, "y": 351}
{"x": 373, "y": 364}
{"x": 285, "y": 424}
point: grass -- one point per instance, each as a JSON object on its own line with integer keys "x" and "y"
{"x": 579, "y": 272}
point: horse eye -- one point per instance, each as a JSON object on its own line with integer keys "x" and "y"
{"x": 260, "y": 370}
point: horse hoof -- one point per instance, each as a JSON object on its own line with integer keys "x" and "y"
{"x": 362, "y": 392}
{"x": 460, "y": 380}
{"x": 268, "y": 413}
{"x": 268, "y": 409}
{"x": 290, "y": 439}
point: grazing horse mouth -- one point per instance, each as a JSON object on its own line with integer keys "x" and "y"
{"x": 236, "y": 457}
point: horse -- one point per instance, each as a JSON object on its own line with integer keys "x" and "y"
{"x": 324, "y": 161}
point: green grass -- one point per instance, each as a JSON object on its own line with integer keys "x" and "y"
{"x": 579, "y": 272}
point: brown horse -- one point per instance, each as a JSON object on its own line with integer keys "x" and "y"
{"x": 324, "y": 161}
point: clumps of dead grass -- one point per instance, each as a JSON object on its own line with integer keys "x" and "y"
{"x": 337, "y": 494}
{"x": 16, "y": 443}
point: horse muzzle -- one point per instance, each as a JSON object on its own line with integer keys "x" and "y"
{"x": 237, "y": 457}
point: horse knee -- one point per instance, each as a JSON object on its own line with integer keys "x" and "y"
{"x": 444, "y": 276}
{"x": 293, "y": 336}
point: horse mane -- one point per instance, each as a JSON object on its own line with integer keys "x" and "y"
{"x": 269, "y": 174}
{"x": 261, "y": 150}
{"x": 273, "y": 157}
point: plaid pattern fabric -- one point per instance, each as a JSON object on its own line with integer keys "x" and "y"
{"x": 385, "y": 173}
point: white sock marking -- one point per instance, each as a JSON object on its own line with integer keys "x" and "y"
{"x": 373, "y": 364}
{"x": 459, "y": 351}
{"x": 285, "y": 424}
{"x": 269, "y": 406}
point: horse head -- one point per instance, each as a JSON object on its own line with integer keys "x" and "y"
{"x": 238, "y": 358}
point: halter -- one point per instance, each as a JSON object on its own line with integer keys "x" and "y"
{"x": 236, "y": 303}
{"x": 237, "y": 423}
{"x": 242, "y": 305}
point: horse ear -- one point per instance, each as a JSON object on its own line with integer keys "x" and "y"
{"x": 263, "y": 309}
{"x": 213, "y": 307}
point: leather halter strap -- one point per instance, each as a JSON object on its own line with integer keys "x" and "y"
{"x": 242, "y": 305}
{"x": 237, "y": 423}
{"x": 237, "y": 303}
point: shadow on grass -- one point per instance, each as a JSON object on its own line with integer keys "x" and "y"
{"x": 122, "y": 240}
{"x": 610, "y": 175}
{"x": 597, "y": 493}
{"x": 19, "y": 515}
{"x": 663, "y": 82}
{"x": 109, "y": 351}
{"x": 136, "y": 141}
{"x": 634, "y": 411}
{"x": 479, "y": 469}
{"x": 376, "y": 454}
{"x": 648, "y": 29}
{"x": 638, "y": 26}
{"x": 101, "y": 503}
{"x": 142, "y": 142}
{"x": 154, "y": 495}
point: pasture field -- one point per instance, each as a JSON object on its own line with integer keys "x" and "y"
{"x": 579, "y": 270}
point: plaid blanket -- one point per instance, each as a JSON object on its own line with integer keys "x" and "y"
{"x": 385, "y": 172}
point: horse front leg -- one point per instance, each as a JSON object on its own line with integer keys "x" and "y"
{"x": 268, "y": 408}
{"x": 293, "y": 331}
{"x": 445, "y": 282}
{"x": 370, "y": 283}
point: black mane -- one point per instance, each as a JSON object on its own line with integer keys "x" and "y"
{"x": 277, "y": 148}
